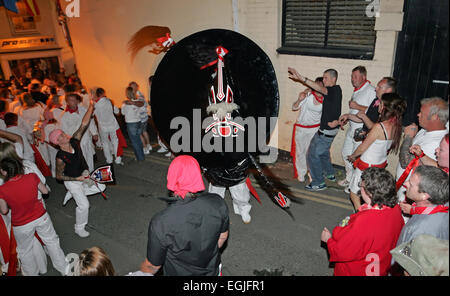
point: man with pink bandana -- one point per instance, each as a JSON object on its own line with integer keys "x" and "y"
{"x": 185, "y": 238}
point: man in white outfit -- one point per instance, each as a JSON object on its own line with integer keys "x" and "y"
{"x": 11, "y": 120}
{"x": 71, "y": 168}
{"x": 107, "y": 125}
{"x": 365, "y": 119}
{"x": 241, "y": 198}
{"x": 363, "y": 95}
{"x": 70, "y": 121}
{"x": 433, "y": 117}
{"x": 308, "y": 122}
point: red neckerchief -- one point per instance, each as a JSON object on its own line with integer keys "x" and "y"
{"x": 2, "y": 115}
{"x": 415, "y": 210}
{"x": 411, "y": 167}
{"x": 71, "y": 110}
{"x": 318, "y": 99}
{"x": 445, "y": 170}
{"x": 358, "y": 88}
{"x": 366, "y": 207}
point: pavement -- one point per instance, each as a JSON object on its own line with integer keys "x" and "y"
{"x": 272, "y": 244}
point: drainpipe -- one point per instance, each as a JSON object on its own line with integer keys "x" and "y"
{"x": 234, "y": 4}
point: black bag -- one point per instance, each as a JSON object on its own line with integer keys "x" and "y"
{"x": 360, "y": 134}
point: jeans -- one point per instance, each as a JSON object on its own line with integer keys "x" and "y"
{"x": 319, "y": 161}
{"x": 134, "y": 130}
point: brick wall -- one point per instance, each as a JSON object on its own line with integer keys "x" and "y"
{"x": 260, "y": 20}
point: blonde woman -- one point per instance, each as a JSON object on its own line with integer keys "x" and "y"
{"x": 131, "y": 110}
{"x": 94, "y": 262}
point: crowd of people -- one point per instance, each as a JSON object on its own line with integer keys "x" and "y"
{"x": 51, "y": 128}
{"x": 390, "y": 213}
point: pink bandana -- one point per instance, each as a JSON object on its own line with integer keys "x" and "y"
{"x": 54, "y": 135}
{"x": 184, "y": 176}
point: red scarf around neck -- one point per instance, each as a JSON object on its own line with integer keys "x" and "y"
{"x": 415, "y": 210}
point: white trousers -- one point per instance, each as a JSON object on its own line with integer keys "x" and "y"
{"x": 349, "y": 147}
{"x": 52, "y": 155}
{"x": 240, "y": 194}
{"x": 110, "y": 143}
{"x": 25, "y": 243}
{"x": 80, "y": 191}
{"x": 303, "y": 137}
{"x": 38, "y": 252}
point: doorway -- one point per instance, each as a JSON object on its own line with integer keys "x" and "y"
{"x": 421, "y": 63}
{"x": 45, "y": 67}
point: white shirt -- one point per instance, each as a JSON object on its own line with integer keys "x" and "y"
{"x": 428, "y": 142}
{"x": 28, "y": 117}
{"x": 14, "y": 106}
{"x": 144, "y": 110}
{"x": 71, "y": 122}
{"x": 310, "y": 113}
{"x": 131, "y": 113}
{"x": 364, "y": 97}
{"x": 105, "y": 116}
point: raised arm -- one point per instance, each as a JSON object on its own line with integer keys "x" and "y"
{"x": 11, "y": 137}
{"x": 294, "y": 75}
{"x": 301, "y": 98}
{"x": 405, "y": 156}
{"x": 84, "y": 122}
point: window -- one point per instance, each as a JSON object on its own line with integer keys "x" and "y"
{"x": 331, "y": 28}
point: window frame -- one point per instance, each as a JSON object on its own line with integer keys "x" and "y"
{"x": 324, "y": 51}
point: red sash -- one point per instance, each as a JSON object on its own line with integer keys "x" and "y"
{"x": 411, "y": 167}
{"x": 318, "y": 99}
{"x": 40, "y": 162}
{"x": 122, "y": 142}
{"x": 8, "y": 247}
{"x": 252, "y": 189}
{"x": 358, "y": 163}
{"x": 293, "y": 146}
{"x": 415, "y": 210}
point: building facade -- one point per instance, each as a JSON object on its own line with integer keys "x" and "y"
{"x": 32, "y": 39}
{"x": 102, "y": 28}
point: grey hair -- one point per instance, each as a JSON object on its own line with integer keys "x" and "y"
{"x": 438, "y": 107}
{"x": 434, "y": 182}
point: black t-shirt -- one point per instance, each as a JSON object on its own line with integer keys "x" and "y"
{"x": 183, "y": 237}
{"x": 331, "y": 109}
{"x": 372, "y": 113}
{"x": 75, "y": 162}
